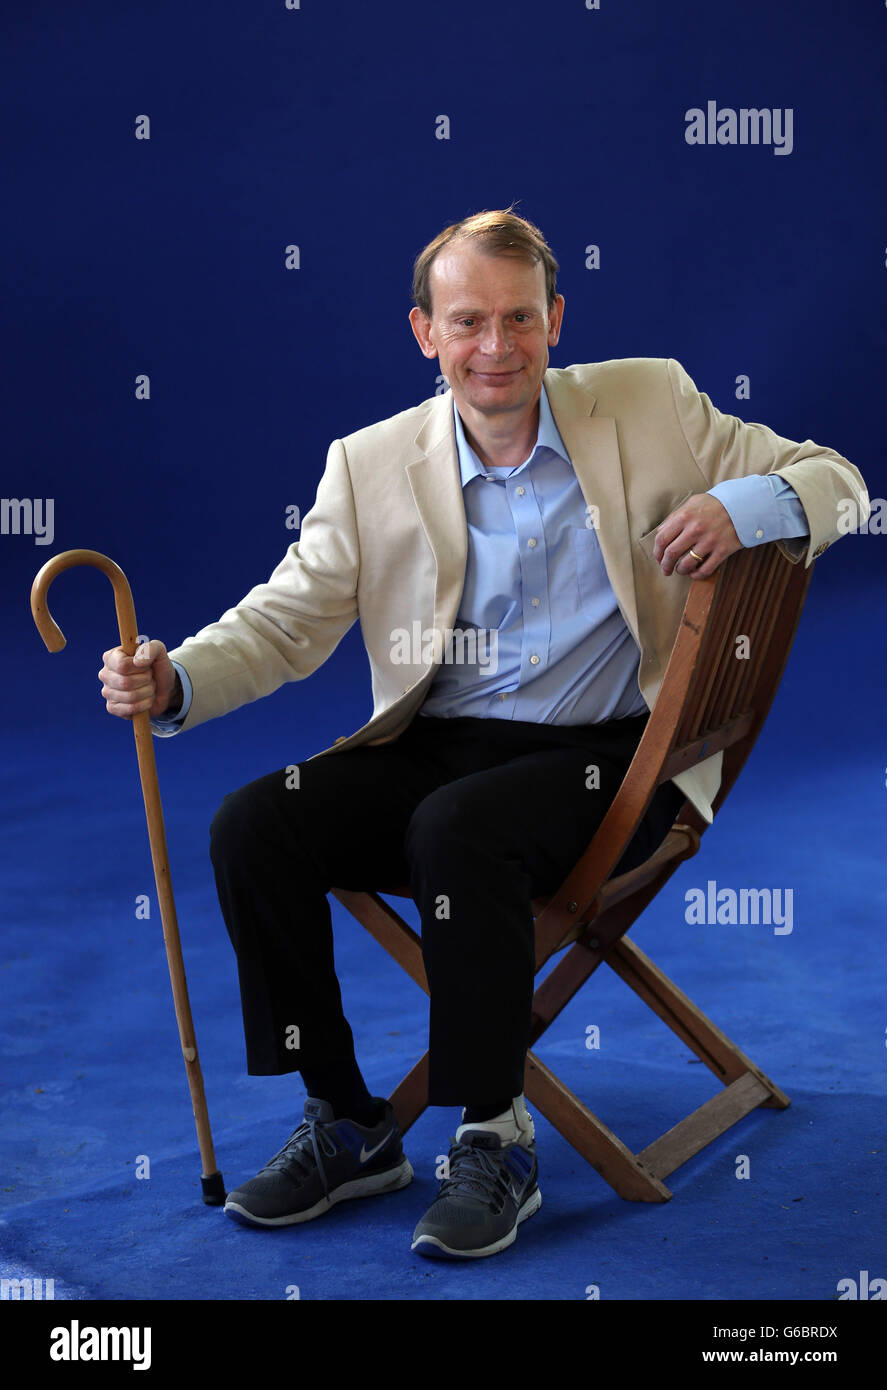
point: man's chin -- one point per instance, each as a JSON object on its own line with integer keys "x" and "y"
{"x": 483, "y": 395}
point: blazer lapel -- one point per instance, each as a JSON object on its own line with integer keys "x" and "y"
{"x": 593, "y": 447}
{"x": 434, "y": 477}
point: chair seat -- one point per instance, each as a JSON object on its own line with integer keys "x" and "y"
{"x": 680, "y": 842}
{"x": 537, "y": 904}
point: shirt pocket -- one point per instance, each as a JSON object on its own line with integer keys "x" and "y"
{"x": 592, "y": 580}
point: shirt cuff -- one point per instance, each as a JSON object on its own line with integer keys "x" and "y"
{"x": 762, "y": 508}
{"x": 165, "y": 728}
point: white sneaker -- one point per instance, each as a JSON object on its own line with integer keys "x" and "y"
{"x": 513, "y": 1126}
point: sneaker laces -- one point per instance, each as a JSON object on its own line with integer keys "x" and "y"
{"x": 295, "y": 1152}
{"x": 478, "y": 1172}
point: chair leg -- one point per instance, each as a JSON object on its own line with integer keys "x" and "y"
{"x": 410, "y": 1098}
{"x": 691, "y": 1025}
{"x": 600, "y": 1147}
{"x": 709, "y": 1122}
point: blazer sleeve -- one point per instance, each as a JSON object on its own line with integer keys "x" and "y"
{"x": 284, "y": 629}
{"x": 723, "y": 446}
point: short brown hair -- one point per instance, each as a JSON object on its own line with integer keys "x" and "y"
{"x": 498, "y": 233}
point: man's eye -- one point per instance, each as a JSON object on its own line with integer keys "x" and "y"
{"x": 466, "y": 322}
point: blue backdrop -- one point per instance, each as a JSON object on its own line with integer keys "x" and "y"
{"x": 318, "y": 127}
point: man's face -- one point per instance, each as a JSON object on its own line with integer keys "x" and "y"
{"x": 490, "y": 328}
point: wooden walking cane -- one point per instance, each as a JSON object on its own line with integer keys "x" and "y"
{"x": 211, "y": 1179}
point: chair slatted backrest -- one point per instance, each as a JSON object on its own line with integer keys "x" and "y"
{"x": 745, "y": 619}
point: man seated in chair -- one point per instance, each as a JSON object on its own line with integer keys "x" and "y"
{"x": 518, "y": 551}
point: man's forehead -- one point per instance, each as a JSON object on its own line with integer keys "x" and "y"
{"x": 458, "y": 267}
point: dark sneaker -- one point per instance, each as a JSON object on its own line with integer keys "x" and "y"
{"x": 324, "y": 1161}
{"x": 490, "y": 1190}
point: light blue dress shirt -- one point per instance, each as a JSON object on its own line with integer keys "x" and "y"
{"x": 536, "y": 577}
{"x": 552, "y": 646}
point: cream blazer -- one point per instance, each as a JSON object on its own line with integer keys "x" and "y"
{"x": 386, "y": 539}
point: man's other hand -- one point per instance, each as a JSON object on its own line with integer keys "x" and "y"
{"x": 703, "y": 524}
{"x": 145, "y": 681}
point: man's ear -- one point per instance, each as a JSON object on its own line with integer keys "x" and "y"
{"x": 555, "y": 319}
{"x": 421, "y": 327}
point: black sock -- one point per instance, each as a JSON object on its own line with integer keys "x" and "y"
{"x": 342, "y": 1084}
{"x": 476, "y": 1114}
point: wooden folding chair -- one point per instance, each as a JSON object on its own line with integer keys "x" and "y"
{"x": 712, "y": 698}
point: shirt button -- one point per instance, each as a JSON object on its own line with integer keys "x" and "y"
{"x": 534, "y": 661}
{"x": 535, "y": 602}
{"x": 759, "y": 533}
{"x": 521, "y": 491}
{"x": 502, "y": 696}
{"x": 531, "y": 542}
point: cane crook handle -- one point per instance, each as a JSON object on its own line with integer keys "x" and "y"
{"x": 47, "y": 626}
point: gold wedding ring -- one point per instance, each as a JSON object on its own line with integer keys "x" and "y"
{"x": 700, "y": 558}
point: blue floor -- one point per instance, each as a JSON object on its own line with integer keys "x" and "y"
{"x": 92, "y": 1077}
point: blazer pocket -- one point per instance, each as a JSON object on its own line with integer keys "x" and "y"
{"x": 646, "y": 542}
{"x": 647, "y": 539}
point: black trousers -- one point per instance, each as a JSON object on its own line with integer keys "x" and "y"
{"x": 479, "y": 816}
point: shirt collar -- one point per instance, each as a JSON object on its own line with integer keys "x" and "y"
{"x": 548, "y": 437}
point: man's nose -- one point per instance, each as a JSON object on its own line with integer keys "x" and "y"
{"x": 496, "y": 340}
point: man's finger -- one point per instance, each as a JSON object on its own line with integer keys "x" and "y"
{"x": 689, "y": 565}
{"x": 127, "y": 711}
{"x": 670, "y": 529}
{"x": 676, "y": 555}
{"x": 148, "y": 652}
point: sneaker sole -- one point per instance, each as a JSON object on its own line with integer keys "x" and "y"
{"x": 369, "y": 1186}
{"x": 433, "y": 1247}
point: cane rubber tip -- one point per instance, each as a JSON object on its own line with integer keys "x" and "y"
{"x": 214, "y": 1192}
